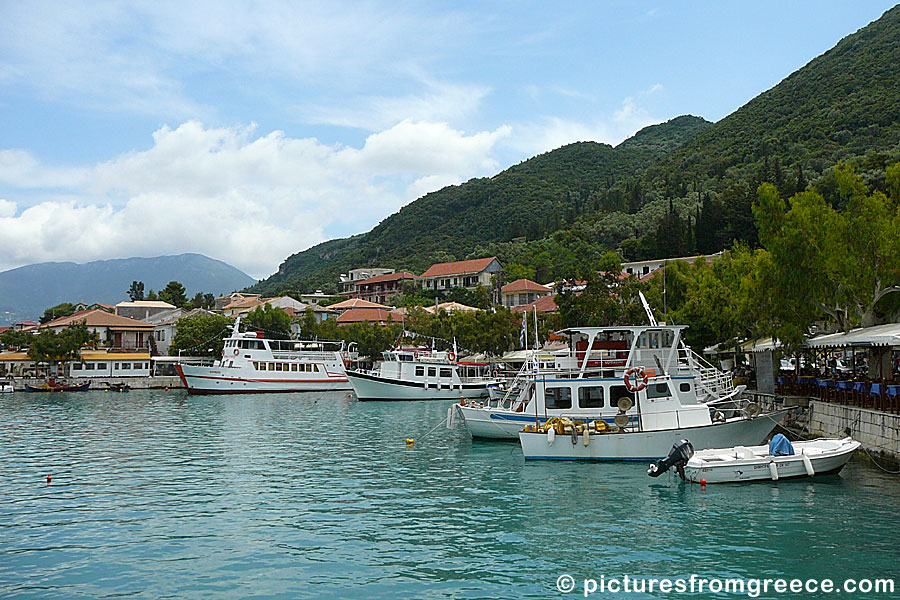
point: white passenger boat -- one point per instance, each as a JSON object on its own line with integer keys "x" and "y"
{"x": 588, "y": 385}
{"x": 6, "y": 387}
{"x": 420, "y": 374}
{"x": 760, "y": 463}
{"x": 251, "y": 363}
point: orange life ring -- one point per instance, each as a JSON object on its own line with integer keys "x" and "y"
{"x": 236, "y": 351}
{"x": 640, "y": 379}
{"x": 451, "y": 357}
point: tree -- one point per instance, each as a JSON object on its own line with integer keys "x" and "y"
{"x": 60, "y": 310}
{"x": 607, "y": 298}
{"x": 15, "y": 338}
{"x": 200, "y": 335}
{"x": 274, "y": 322}
{"x": 49, "y": 346}
{"x": 840, "y": 263}
{"x": 136, "y": 291}
{"x": 174, "y": 294}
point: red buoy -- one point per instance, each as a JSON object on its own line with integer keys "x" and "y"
{"x": 702, "y": 482}
{"x": 167, "y": 388}
{"x": 48, "y": 477}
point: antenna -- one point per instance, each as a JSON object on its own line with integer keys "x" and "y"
{"x": 647, "y": 309}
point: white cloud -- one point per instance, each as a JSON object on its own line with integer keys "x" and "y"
{"x": 229, "y": 193}
{"x": 553, "y": 132}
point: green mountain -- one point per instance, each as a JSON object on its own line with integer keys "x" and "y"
{"x": 678, "y": 188}
{"x": 530, "y": 199}
{"x": 25, "y": 292}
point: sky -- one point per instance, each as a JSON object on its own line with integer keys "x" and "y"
{"x": 249, "y": 131}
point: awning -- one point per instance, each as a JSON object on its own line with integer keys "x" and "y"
{"x": 879, "y": 335}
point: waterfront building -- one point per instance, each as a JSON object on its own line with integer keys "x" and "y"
{"x": 466, "y": 274}
{"x": 449, "y": 307}
{"x": 100, "y": 363}
{"x": 142, "y": 309}
{"x": 116, "y": 332}
{"x": 521, "y": 292}
{"x": 382, "y": 289}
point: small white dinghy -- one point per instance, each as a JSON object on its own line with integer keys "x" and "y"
{"x": 779, "y": 460}
{"x": 6, "y": 387}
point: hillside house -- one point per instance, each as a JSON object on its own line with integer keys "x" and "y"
{"x": 521, "y": 292}
{"x": 382, "y": 289}
{"x": 466, "y": 274}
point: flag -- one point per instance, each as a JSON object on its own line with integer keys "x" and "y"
{"x": 524, "y": 330}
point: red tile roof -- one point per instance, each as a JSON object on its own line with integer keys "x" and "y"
{"x": 460, "y": 267}
{"x": 373, "y": 315}
{"x": 543, "y": 304}
{"x": 98, "y": 318}
{"x": 387, "y": 277}
{"x": 524, "y": 285}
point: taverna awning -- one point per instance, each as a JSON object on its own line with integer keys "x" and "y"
{"x": 879, "y": 335}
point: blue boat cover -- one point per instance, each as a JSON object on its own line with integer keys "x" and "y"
{"x": 780, "y": 446}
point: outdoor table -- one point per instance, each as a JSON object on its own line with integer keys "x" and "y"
{"x": 893, "y": 392}
{"x": 844, "y": 388}
{"x": 859, "y": 392}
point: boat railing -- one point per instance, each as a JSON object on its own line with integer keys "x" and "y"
{"x": 304, "y": 354}
{"x": 196, "y": 361}
{"x": 709, "y": 380}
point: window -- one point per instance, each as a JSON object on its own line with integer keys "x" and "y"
{"x": 126, "y": 366}
{"x": 271, "y": 366}
{"x": 115, "y": 365}
{"x": 256, "y": 366}
{"x": 138, "y": 365}
{"x": 432, "y": 371}
{"x": 590, "y": 397}
{"x": 684, "y": 387}
{"x": 617, "y": 392}
{"x": 88, "y": 366}
{"x": 445, "y": 373}
{"x": 279, "y": 367}
{"x": 658, "y": 390}
{"x": 76, "y": 366}
{"x": 294, "y": 367}
{"x": 420, "y": 371}
{"x": 558, "y": 397}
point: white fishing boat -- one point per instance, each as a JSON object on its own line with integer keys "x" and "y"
{"x": 251, "y": 363}
{"x": 764, "y": 463}
{"x": 420, "y": 374}
{"x": 629, "y": 363}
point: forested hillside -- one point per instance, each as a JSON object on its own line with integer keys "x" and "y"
{"x": 532, "y": 199}
{"x": 682, "y": 187}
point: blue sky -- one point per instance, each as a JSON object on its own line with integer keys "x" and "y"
{"x": 250, "y": 131}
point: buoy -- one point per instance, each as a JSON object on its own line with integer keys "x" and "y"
{"x": 702, "y": 482}
{"x": 48, "y": 478}
{"x": 166, "y": 388}
{"x": 551, "y": 435}
{"x": 410, "y": 441}
{"x": 586, "y": 436}
{"x": 773, "y": 470}
{"x": 808, "y": 464}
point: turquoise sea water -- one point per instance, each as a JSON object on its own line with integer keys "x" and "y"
{"x": 162, "y": 495}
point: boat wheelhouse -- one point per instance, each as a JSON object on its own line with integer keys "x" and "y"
{"x": 421, "y": 374}
{"x": 588, "y": 380}
{"x": 251, "y": 363}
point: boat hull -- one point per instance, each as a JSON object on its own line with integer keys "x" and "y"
{"x": 83, "y": 387}
{"x": 648, "y": 445}
{"x": 759, "y": 469}
{"x": 371, "y": 387}
{"x": 216, "y": 380}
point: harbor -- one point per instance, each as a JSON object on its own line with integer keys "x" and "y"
{"x": 318, "y": 496}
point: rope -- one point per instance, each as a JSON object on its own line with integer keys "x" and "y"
{"x": 433, "y": 429}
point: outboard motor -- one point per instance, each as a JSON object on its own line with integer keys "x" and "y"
{"x": 680, "y": 453}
